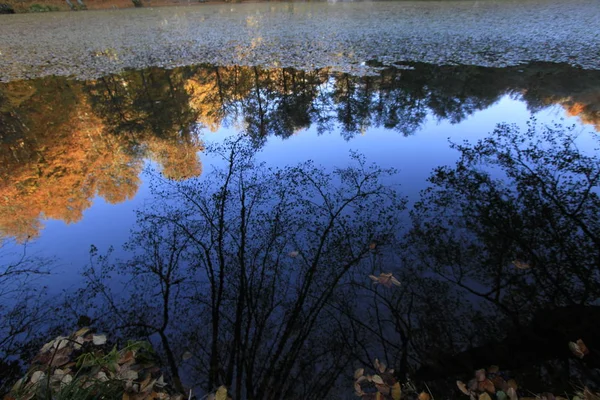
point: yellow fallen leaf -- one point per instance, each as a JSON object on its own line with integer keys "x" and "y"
{"x": 462, "y": 387}
{"x": 396, "y": 391}
{"x": 221, "y": 393}
{"x": 358, "y": 373}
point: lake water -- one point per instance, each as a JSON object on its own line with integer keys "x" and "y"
{"x": 499, "y": 239}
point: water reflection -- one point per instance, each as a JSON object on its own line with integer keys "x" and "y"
{"x": 65, "y": 142}
{"x": 260, "y": 277}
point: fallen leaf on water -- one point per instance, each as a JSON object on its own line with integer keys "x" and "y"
{"x": 357, "y": 389}
{"x": 521, "y": 264}
{"x": 484, "y": 396}
{"x": 358, "y": 373}
{"x": 186, "y": 356}
{"x": 488, "y": 386}
{"x": 424, "y": 396}
{"x": 386, "y": 279}
{"x": 293, "y": 254}
{"x": 37, "y": 376}
{"x": 126, "y": 357}
{"x": 589, "y": 395}
{"x": 512, "y": 393}
{"x": 377, "y": 379}
{"x": 372, "y": 245}
{"x": 99, "y": 339}
{"x": 221, "y": 393}
{"x": 512, "y": 384}
{"x": 480, "y": 375}
{"x": 396, "y": 391}
{"x": 462, "y": 387}
{"x": 500, "y": 395}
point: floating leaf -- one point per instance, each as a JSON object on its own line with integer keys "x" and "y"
{"x": 589, "y": 395}
{"x": 372, "y": 245}
{"x": 293, "y": 254}
{"x": 82, "y": 331}
{"x": 512, "y": 393}
{"x": 512, "y": 384}
{"x": 386, "y": 279}
{"x": 484, "y": 396}
{"x": 521, "y": 264}
{"x": 396, "y": 391}
{"x": 493, "y": 369}
{"x": 358, "y": 373}
{"x": 99, "y": 340}
{"x": 186, "y": 356}
{"x": 221, "y": 393}
{"x": 37, "y": 376}
{"x": 357, "y": 389}
{"x": 377, "y": 379}
{"x": 424, "y": 396}
{"x": 462, "y": 387}
{"x": 489, "y": 386}
{"x": 128, "y": 356}
{"x": 480, "y": 375}
{"x": 500, "y": 395}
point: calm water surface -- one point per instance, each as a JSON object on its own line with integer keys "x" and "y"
{"x": 78, "y": 159}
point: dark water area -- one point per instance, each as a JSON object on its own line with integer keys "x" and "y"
{"x": 245, "y": 220}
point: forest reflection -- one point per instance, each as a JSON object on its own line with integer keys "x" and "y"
{"x": 265, "y": 277}
{"x": 65, "y": 142}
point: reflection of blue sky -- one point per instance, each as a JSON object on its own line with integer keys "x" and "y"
{"x": 106, "y": 225}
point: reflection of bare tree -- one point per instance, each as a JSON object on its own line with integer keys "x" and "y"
{"x": 240, "y": 269}
{"x": 22, "y": 312}
{"x": 513, "y": 226}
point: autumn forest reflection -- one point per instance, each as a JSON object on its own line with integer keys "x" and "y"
{"x": 65, "y": 142}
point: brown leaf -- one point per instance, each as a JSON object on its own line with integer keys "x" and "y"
{"x": 357, "y": 389}
{"x": 512, "y": 393}
{"x": 372, "y": 245}
{"x": 488, "y": 386}
{"x": 462, "y": 387}
{"x": 377, "y": 379}
{"x": 589, "y": 395}
{"x": 424, "y": 396}
{"x": 484, "y": 396}
{"x": 513, "y": 384}
{"x": 576, "y": 350}
{"x": 480, "y": 375}
{"x": 582, "y": 347}
{"x": 127, "y": 357}
{"x": 521, "y": 264}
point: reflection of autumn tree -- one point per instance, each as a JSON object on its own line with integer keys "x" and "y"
{"x": 57, "y": 155}
{"x": 153, "y": 109}
{"x": 87, "y": 139}
{"x": 56, "y": 163}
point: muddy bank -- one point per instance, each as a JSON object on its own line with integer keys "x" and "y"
{"x": 302, "y": 35}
